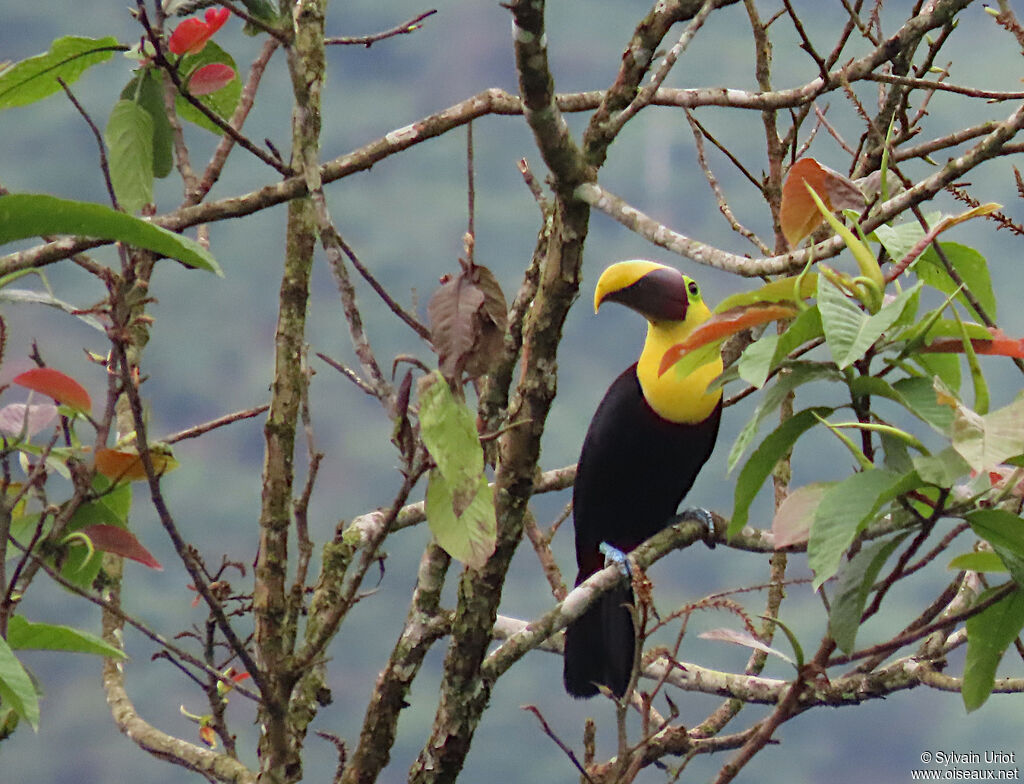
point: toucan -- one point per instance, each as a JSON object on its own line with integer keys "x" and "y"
{"x": 649, "y": 437}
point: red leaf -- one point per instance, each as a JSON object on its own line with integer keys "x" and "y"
{"x": 192, "y": 34}
{"x": 798, "y": 214}
{"x": 723, "y": 325}
{"x": 57, "y": 385}
{"x": 111, "y": 539}
{"x": 210, "y": 78}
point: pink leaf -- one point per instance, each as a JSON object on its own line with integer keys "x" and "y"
{"x": 210, "y": 78}
{"x": 32, "y": 418}
{"x": 743, "y": 638}
{"x": 792, "y": 522}
{"x": 111, "y": 539}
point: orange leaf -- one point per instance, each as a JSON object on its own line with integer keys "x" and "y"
{"x": 798, "y": 214}
{"x": 725, "y": 324}
{"x": 111, "y": 539}
{"x": 1000, "y": 345}
{"x": 118, "y": 465}
{"x": 57, "y": 385}
{"x": 208, "y": 736}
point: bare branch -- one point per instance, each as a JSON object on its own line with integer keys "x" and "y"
{"x": 410, "y": 26}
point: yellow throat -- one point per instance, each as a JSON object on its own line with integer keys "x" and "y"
{"x": 684, "y": 400}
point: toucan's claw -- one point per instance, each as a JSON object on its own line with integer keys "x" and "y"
{"x": 704, "y": 517}
{"x": 613, "y": 555}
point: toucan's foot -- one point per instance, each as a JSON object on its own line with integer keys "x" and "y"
{"x": 704, "y": 517}
{"x": 613, "y": 555}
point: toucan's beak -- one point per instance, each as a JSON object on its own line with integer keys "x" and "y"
{"x": 655, "y": 291}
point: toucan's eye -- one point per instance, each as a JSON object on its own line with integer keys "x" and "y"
{"x": 694, "y": 290}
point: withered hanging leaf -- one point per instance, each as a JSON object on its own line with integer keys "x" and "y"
{"x": 467, "y": 321}
{"x": 798, "y": 214}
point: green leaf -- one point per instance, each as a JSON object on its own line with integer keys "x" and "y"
{"x": 989, "y": 634}
{"x": 899, "y": 240}
{"x": 36, "y": 78}
{"x": 129, "y": 138}
{"x": 849, "y": 331}
{"x": 26, "y": 635}
{"x": 469, "y": 534}
{"x": 459, "y": 503}
{"x": 1005, "y": 532}
{"x": 970, "y": 265}
{"x": 942, "y": 469}
{"x": 763, "y": 461}
{"x": 945, "y": 366}
{"x": 81, "y": 564}
{"x": 24, "y": 215}
{"x": 799, "y": 373}
{"x": 980, "y": 561}
{"x": 778, "y": 290}
{"x": 147, "y": 90}
{"x": 27, "y": 296}
{"x": 697, "y": 357}
{"x": 761, "y": 357}
{"x": 263, "y": 10}
{"x": 856, "y": 578}
{"x": 844, "y": 511}
{"x": 222, "y": 102}
{"x": 918, "y": 395}
{"x": 842, "y": 321}
{"x": 449, "y": 431}
{"x": 116, "y": 501}
{"x": 16, "y": 689}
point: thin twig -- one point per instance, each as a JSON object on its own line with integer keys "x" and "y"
{"x": 646, "y": 94}
{"x": 197, "y": 430}
{"x": 121, "y": 615}
{"x": 722, "y": 201}
{"x": 104, "y": 164}
{"x": 411, "y": 321}
{"x": 411, "y": 26}
{"x": 558, "y": 741}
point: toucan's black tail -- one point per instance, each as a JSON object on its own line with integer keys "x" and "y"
{"x": 599, "y": 646}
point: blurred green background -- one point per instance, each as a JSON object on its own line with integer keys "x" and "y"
{"x": 211, "y": 353}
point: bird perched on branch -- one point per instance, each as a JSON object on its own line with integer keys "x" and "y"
{"x": 649, "y": 438}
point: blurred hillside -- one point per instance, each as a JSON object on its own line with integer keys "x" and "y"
{"x": 212, "y": 345}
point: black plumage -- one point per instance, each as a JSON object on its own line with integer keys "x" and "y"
{"x": 634, "y": 470}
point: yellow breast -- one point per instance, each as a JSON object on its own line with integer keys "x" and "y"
{"x": 687, "y": 399}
